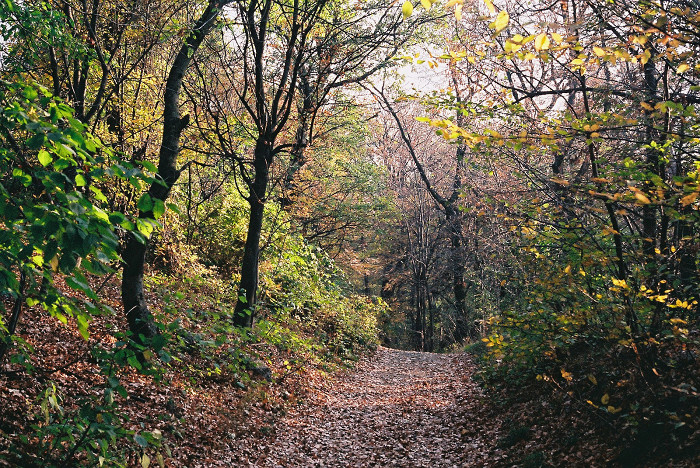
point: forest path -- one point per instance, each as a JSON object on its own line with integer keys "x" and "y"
{"x": 400, "y": 409}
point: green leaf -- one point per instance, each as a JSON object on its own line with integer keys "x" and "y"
{"x": 90, "y": 145}
{"x": 109, "y": 396}
{"x": 145, "y": 227}
{"x": 83, "y": 324}
{"x": 135, "y": 363}
{"x": 117, "y": 218}
{"x": 149, "y": 166}
{"x": 139, "y": 439}
{"x": 44, "y": 158}
{"x": 173, "y": 207}
{"x": 99, "y": 195}
{"x": 145, "y": 203}
{"x": 80, "y": 180}
{"x": 36, "y": 141}
{"x": 158, "y": 208}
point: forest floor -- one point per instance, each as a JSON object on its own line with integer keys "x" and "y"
{"x": 399, "y": 409}
{"x": 392, "y": 409}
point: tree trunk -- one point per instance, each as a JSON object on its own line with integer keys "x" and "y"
{"x": 464, "y": 327}
{"x": 301, "y": 140}
{"x": 138, "y": 316}
{"x": 247, "y": 293}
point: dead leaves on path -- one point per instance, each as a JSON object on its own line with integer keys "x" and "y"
{"x": 400, "y": 409}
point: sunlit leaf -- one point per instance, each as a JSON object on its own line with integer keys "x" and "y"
{"x": 44, "y": 158}
{"x": 643, "y": 199}
{"x": 501, "y": 21}
{"x": 541, "y": 42}
{"x": 689, "y": 199}
{"x": 407, "y": 9}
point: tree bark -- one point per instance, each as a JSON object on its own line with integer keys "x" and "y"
{"x": 139, "y": 318}
{"x": 464, "y": 323}
{"x": 247, "y": 293}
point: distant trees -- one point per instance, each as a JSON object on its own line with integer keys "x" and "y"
{"x": 280, "y": 79}
{"x": 586, "y": 129}
{"x": 584, "y": 124}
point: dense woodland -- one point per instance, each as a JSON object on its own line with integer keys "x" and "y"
{"x": 206, "y": 205}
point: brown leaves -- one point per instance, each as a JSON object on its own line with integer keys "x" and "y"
{"x": 401, "y": 409}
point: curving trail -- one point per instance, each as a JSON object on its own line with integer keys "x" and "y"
{"x": 402, "y": 409}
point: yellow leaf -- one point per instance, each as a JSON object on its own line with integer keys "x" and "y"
{"x": 599, "y": 51}
{"x": 567, "y": 270}
{"x": 557, "y": 37}
{"x": 566, "y": 375}
{"x": 489, "y": 5}
{"x": 54, "y": 263}
{"x": 501, "y": 21}
{"x": 541, "y": 42}
{"x": 605, "y": 399}
{"x": 613, "y": 410}
{"x": 644, "y": 58}
{"x": 682, "y": 68}
{"x": 511, "y": 46}
{"x": 646, "y": 106}
{"x": 458, "y": 12}
{"x": 639, "y": 40}
{"x": 608, "y": 231}
{"x": 592, "y": 378}
{"x": 643, "y": 199}
{"x": 426, "y": 4}
{"x": 407, "y": 9}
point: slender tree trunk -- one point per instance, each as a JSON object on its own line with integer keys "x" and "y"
{"x": 247, "y": 293}
{"x": 301, "y": 140}
{"x": 138, "y": 316}
{"x": 431, "y": 324}
{"x": 651, "y": 234}
{"x": 464, "y": 326}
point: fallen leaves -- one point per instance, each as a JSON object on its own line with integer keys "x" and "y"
{"x": 400, "y": 409}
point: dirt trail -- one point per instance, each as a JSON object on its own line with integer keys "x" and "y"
{"x": 401, "y": 409}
